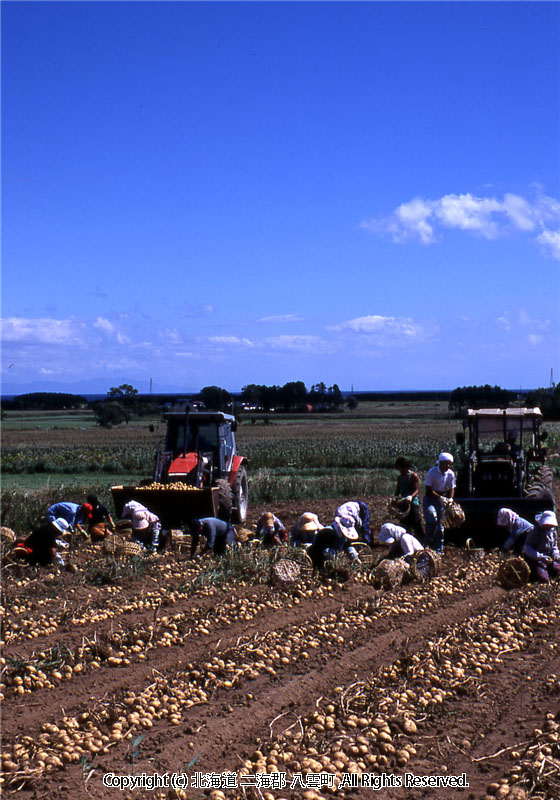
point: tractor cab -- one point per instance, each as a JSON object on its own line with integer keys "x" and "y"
{"x": 501, "y": 445}
{"x": 199, "y": 448}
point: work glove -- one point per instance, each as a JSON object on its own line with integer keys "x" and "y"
{"x": 409, "y": 498}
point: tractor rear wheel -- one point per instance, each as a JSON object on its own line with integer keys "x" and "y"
{"x": 225, "y": 500}
{"x": 542, "y": 484}
{"x": 240, "y": 490}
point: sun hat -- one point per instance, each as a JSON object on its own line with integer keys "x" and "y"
{"x": 61, "y": 524}
{"x": 445, "y": 457}
{"x": 346, "y": 526}
{"x": 389, "y": 533}
{"x": 547, "y": 518}
{"x": 308, "y": 522}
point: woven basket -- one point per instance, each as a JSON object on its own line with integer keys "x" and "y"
{"x": 113, "y": 544}
{"x": 454, "y": 516}
{"x": 472, "y": 552}
{"x": 513, "y": 572}
{"x": 242, "y": 535}
{"x": 180, "y": 542}
{"x": 285, "y": 572}
{"x": 365, "y": 553}
{"x": 19, "y": 554}
{"x": 304, "y": 561}
{"x": 391, "y": 573}
{"x": 131, "y": 549}
{"x": 7, "y": 536}
{"x": 399, "y": 506}
{"x": 425, "y": 565}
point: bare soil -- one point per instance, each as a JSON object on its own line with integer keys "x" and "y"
{"x": 224, "y": 677}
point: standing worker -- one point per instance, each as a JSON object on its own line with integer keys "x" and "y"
{"x": 440, "y": 489}
{"x": 408, "y": 487}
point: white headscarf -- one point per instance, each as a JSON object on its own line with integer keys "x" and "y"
{"x": 507, "y": 518}
{"x": 390, "y": 533}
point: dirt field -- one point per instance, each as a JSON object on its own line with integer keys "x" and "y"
{"x": 147, "y": 674}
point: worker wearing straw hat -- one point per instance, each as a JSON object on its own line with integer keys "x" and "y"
{"x": 303, "y": 532}
{"x": 271, "y": 531}
{"x": 440, "y": 489}
{"x": 541, "y": 548}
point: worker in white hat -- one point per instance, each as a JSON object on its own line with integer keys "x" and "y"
{"x": 440, "y": 489}
{"x": 404, "y": 544}
{"x": 541, "y": 548}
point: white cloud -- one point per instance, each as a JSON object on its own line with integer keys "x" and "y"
{"x": 42, "y": 331}
{"x": 550, "y": 243}
{"x": 375, "y": 324}
{"x": 488, "y": 217}
{"x": 534, "y": 340}
{"x": 282, "y": 318}
{"x": 231, "y": 340}
{"x": 504, "y": 322}
{"x": 104, "y": 325}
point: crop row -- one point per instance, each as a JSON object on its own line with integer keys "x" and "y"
{"x": 370, "y": 726}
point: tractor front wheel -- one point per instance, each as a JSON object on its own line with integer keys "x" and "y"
{"x": 240, "y": 491}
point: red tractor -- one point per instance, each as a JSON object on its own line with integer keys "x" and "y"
{"x": 200, "y": 457}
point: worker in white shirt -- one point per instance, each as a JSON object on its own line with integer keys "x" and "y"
{"x": 440, "y": 489}
{"x": 404, "y": 544}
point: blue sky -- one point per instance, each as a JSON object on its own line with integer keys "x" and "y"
{"x": 251, "y": 192}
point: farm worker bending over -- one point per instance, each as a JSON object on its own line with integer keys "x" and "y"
{"x": 146, "y": 526}
{"x": 271, "y": 531}
{"x": 517, "y": 529}
{"x": 440, "y": 488}
{"x": 336, "y": 539}
{"x": 218, "y": 533}
{"x": 43, "y": 543}
{"x": 404, "y": 544}
{"x": 541, "y": 548}
{"x": 100, "y": 518}
{"x": 303, "y": 532}
{"x": 408, "y": 487}
{"x": 74, "y": 514}
{"x": 358, "y": 513}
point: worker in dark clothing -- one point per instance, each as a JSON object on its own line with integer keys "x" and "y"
{"x": 100, "y": 521}
{"x": 218, "y": 534}
{"x": 44, "y": 541}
